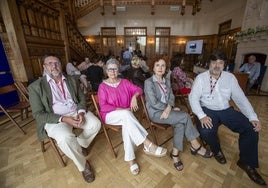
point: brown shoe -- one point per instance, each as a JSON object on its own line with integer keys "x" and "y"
{"x": 251, "y": 172}
{"x": 84, "y": 151}
{"x": 88, "y": 174}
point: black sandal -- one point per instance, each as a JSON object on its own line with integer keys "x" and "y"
{"x": 194, "y": 151}
{"x": 177, "y": 164}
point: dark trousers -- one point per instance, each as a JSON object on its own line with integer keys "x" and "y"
{"x": 237, "y": 122}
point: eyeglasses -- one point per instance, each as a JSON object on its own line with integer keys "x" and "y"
{"x": 112, "y": 69}
{"x": 50, "y": 64}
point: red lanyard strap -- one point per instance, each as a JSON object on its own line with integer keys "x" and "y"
{"x": 212, "y": 86}
{"x": 163, "y": 89}
{"x": 62, "y": 89}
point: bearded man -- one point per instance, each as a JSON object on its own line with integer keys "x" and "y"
{"x": 209, "y": 99}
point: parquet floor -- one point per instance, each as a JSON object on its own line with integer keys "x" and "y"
{"x": 22, "y": 163}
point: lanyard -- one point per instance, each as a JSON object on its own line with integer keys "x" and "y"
{"x": 62, "y": 89}
{"x": 212, "y": 86}
{"x": 163, "y": 89}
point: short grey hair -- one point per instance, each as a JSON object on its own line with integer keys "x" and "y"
{"x": 50, "y": 55}
{"x": 112, "y": 61}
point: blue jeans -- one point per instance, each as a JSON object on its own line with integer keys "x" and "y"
{"x": 237, "y": 122}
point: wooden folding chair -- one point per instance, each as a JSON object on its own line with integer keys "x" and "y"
{"x": 51, "y": 141}
{"x": 106, "y": 127}
{"x": 21, "y": 106}
{"x": 183, "y": 98}
{"x": 154, "y": 125}
{"x": 22, "y": 87}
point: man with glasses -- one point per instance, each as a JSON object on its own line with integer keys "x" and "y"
{"x": 59, "y": 105}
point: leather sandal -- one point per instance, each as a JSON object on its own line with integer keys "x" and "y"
{"x": 156, "y": 153}
{"x": 88, "y": 174}
{"x": 178, "y": 165}
{"x": 194, "y": 151}
{"x": 134, "y": 169}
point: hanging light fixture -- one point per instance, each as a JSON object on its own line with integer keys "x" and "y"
{"x": 183, "y": 7}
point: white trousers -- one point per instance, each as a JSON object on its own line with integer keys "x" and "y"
{"x": 69, "y": 144}
{"x": 133, "y": 132}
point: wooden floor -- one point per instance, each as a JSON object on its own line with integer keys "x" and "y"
{"x": 22, "y": 163}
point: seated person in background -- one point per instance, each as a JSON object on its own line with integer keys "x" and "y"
{"x": 84, "y": 65}
{"x": 123, "y": 68}
{"x": 209, "y": 100}
{"x": 181, "y": 84}
{"x": 118, "y": 100}
{"x": 230, "y": 65}
{"x": 145, "y": 68}
{"x": 137, "y": 74}
{"x": 73, "y": 71}
{"x": 253, "y": 68}
{"x": 160, "y": 106}
{"x": 59, "y": 105}
{"x": 95, "y": 74}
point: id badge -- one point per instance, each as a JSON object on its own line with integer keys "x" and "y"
{"x": 69, "y": 103}
{"x": 210, "y": 97}
{"x": 65, "y": 103}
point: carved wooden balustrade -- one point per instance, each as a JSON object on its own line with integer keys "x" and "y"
{"x": 49, "y": 30}
{"x": 79, "y": 47}
{"x": 83, "y": 7}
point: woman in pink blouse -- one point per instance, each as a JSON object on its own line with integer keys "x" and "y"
{"x": 117, "y": 100}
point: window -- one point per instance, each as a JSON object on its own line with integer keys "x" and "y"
{"x": 162, "y": 38}
{"x": 108, "y": 40}
{"x": 135, "y": 38}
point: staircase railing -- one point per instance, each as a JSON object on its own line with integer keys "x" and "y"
{"x": 79, "y": 47}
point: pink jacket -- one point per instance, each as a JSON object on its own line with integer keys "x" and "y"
{"x": 111, "y": 98}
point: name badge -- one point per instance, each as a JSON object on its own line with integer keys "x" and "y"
{"x": 68, "y": 103}
{"x": 210, "y": 97}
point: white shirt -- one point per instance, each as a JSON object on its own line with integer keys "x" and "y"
{"x": 62, "y": 102}
{"x": 225, "y": 89}
{"x": 253, "y": 69}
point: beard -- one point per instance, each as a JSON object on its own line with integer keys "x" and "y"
{"x": 53, "y": 74}
{"x": 215, "y": 71}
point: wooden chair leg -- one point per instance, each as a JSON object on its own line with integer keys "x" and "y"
{"x": 12, "y": 119}
{"x": 17, "y": 125}
{"x": 43, "y": 146}
{"x": 109, "y": 141}
{"x": 154, "y": 134}
{"x": 57, "y": 152}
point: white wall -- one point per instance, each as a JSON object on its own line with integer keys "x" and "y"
{"x": 256, "y": 14}
{"x": 205, "y": 22}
